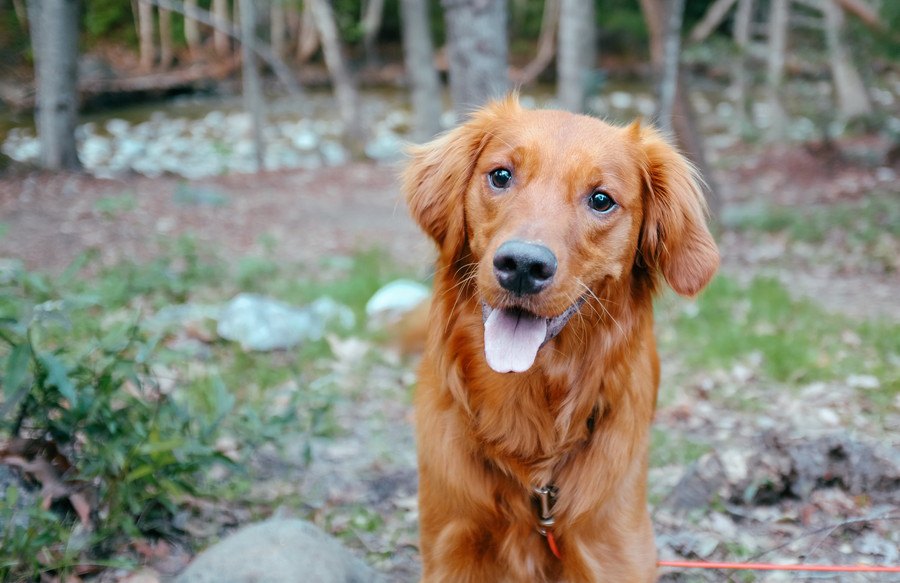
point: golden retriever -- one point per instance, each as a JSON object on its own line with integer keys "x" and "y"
{"x": 540, "y": 373}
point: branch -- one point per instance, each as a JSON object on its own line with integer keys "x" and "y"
{"x": 278, "y": 66}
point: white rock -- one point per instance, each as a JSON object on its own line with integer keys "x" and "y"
{"x": 395, "y": 299}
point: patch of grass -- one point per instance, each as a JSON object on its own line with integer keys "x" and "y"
{"x": 138, "y": 415}
{"x": 667, "y": 451}
{"x": 112, "y": 207}
{"x": 864, "y": 220}
{"x": 796, "y": 340}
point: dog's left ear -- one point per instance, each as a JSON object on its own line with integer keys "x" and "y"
{"x": 675, "y": 239}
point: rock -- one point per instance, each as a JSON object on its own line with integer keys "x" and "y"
{"x": 780, "y": 466}
{"x": 261, "y": 323}
{"x": 395, "y": 299}
{"x": 278, "y": 551}
{"x": 332, "y": 314}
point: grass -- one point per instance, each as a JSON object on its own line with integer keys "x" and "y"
{"x": 863, "y": 220}
{"x": 795, "y": 341}
{"x": 85, "y": 331}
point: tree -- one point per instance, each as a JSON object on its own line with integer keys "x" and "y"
{"x": 418, "y": 55}
{"x": 54, "y": 42}
{"x": 683, "y": 120}
{"x": 477, "y": 51}
{"x": 373, "y": 10}
{"x": 191, "y": 30}
{"x": 252, "y": 86}
{"x": 577, "y": 54}
{"x": 779, "y": 16}
{"x": 546, "y": 46}
{"x": 852, "y": 99}
{"x": 147, "y": 46}
{"x": 220, "y": 39}
{"x": 342, "y": 82}
{"x": 166, "y": 43}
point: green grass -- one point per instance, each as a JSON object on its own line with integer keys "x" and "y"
{"x": 863, "y": 221}
{"x": 73, "y": 344}
{"x": 797, "y": 341}
{"x": 666, "y": 451}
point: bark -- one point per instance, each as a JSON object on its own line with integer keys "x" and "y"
{"x": 54, "y": 39}
{"x": 308, "y": 42}
{"x": 864, "y": 12}
{"x": 191, "y": 30}
{"x": 166, "y": 44}
{"x": 577, "y": 54}
{"x": 371, "y": 26}
{"x": 743, "y": 20}
{"x": 342, "y": 82}
{"x": 546, "y": 48}
{"x": 668, "y": 83}
{"x": 684, "y": 123}
{"x": 227, "y": 28}
{"x": 145, "y": 34}
{"x": 779, "y": 15}
{"x": 711, "y": 20}
{"x": 477, "y": 51}
{"x": 220, "y": 39}
{"x": 278, "y": 27}
{"x": 252, "y": 86}
{"x": 418, "y": 54}
{"x": 852, "y": 99}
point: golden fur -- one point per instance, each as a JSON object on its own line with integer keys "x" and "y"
{"x": 485, "y": 438}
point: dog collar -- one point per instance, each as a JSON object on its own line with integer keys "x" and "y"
{"x": 545, "y": 498}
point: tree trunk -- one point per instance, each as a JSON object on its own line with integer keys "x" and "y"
{"x": 852, "y": 99}
{"x": 166, "y": 44}
{"x": 308, "y": 35}
{"x": 684, "y": 123}
{"x": 577, "y": 55}
{"x": 743, "y": 20}
{"x": 711, "y": 20}
{"x": 220, "y": 39}
{"x": 192, "y": 30}
{"x": 278, "y": 27}
{"x": 779, "y": 16}
{"x": 227, "y": 28}
{"x": 546, "y": 44}
{"x": 252, "y": 87}
{"x": 371, "y": 26}
{"x": 145, "y": 34}
{"x": 668, "y": 81}
{"x": 418, "y": 54}
{"x": 343, "y": 83}
{"x": 54, "y": 41}
{"x": 477, "y": 51}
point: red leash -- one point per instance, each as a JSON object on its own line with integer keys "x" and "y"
{"x": 773, "y": 567}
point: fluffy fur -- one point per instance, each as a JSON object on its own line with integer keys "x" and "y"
{"x": 579, "y": 417}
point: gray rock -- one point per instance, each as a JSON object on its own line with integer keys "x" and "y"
{"x": 395, "y": 299}
{"x": 261, "y": 323}
{"x": 278, "y": 551}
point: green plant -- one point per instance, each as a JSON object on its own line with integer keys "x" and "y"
{"x": 92, "y": 411}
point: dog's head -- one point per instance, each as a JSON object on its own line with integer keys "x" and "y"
{"x": 550, "y": 207}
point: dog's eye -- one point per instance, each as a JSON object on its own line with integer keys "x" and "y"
{"x": 601, "y": 201}
{"x": 500, "y": 178}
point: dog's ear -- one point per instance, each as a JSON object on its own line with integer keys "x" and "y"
{"x": 675, "y": 240}
{"x": 439, "y": 172}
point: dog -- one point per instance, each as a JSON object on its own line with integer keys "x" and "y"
{"x": 539, "y": 378}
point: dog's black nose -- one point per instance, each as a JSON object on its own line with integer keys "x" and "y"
{"x": 524, "y": 268}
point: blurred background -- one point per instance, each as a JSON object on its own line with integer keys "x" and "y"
{"x": 205, "y": 263}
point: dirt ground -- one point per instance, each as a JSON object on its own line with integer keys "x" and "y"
{"x": 300, "y": 216}
{"x": 305, "y": 214}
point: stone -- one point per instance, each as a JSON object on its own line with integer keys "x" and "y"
{"x": 278, "y": 551}
{"x": 394, "y": 299}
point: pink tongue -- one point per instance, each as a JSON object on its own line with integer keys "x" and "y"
{"x": 512, "y": 339}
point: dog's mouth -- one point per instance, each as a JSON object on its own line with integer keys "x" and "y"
{"x": 513, "y": 336}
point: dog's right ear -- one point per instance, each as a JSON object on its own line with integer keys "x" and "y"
{"x": 435, "y": 182}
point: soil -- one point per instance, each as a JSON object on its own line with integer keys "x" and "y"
{"x": 301, "y": 216}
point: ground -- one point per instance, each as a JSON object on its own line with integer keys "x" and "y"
{"x": 812, "y": 222}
